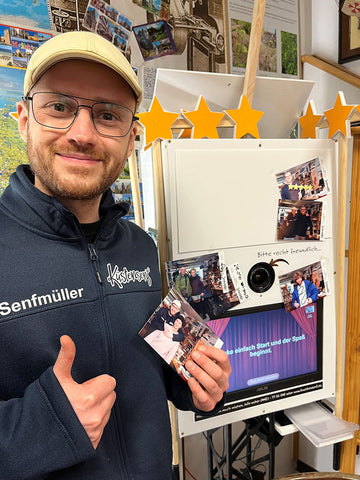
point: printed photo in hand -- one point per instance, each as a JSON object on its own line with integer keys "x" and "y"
{"x": 175, "y": 329}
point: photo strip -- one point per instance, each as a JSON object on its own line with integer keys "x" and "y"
{"x": 304, "y": 286}
{"x": 301, "y": 220}
{"x": 175, "y": 330}
{"x": 107, "y": 22}
{"x": 307, "y": 181}
{"x": 204, "y": 282}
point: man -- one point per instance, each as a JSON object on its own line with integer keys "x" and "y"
{"x": 72, "y": 270}
{"x": 290, "y": 223}
{"x": 305, "y": 292}
{"x": 291, "y": 190}
{"x": 197, "y": 293}
{"x": 182, "y": 283}
{"x": 167, "y": 316}
{"x": 302, "y": 224}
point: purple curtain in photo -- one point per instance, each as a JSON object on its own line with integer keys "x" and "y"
{"x": 262, "y": 346}
{"x": 307, "y": 323}
{"x": 218, "y": 326}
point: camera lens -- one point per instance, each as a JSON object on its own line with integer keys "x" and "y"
{"x": 261, "y": 277}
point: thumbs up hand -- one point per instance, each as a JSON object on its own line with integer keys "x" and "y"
{"x": 92, "y": 400}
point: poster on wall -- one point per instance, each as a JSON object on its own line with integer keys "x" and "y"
{"x": 122, "y": 190}
{"x": 33, "y": 14}
{"x": 18, "y": 44}
{"x": 279, "y": 50}
{"x": 16, "y": 47}
{"x": 12, "y": 147}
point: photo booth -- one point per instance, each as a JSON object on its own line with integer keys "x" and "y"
{"x": 223, "y": 195}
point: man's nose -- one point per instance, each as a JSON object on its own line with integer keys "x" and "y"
{"x": 83, "y": 130}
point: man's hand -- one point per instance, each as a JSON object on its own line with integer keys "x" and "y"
{"x": 210, "y": 369}
{"x": 92, "y": 400}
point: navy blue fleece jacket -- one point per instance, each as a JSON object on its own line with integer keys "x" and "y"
{"x": 53, "y": 283}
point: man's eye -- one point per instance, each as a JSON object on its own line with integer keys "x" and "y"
{"x": 59, "y": 107}
{"x": 108, "y": 116}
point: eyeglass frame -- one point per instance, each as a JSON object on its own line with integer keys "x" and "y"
{"x": 79, "y": 105}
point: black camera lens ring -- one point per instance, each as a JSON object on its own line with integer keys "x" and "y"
{"x": 261, "y": 277}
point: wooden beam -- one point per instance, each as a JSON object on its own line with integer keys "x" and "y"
{"x": 352, "y": 348}
{"x": 340, "y": 270}
{"x": 135, "y": 189}
{"x": 254, "y": 49}
{"x": 332, "y": 69}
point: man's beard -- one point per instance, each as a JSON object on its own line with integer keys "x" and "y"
{"x": 80, "y": 187}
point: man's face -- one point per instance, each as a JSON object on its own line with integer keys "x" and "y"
{"x": 303, "y": 210}
{"x": 293, "y": 211}
{"x": 288, "y": 178}
{"x": 174, "y": 309}
{"x": 77, "y": 163}
{"x": 182, "y": 270}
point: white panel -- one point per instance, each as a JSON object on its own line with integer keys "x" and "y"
{"x": 223, "y": 195}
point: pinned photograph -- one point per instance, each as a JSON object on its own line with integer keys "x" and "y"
{"x": 304, "y": 286}
{"x": 307, "y": 181}
{"x": 175, "y": 329}
{"x": 154, "y": 40}
{"x": 204, "y": 282}
{"x": 301, "y": 220}
{"x": 108, "y": 22}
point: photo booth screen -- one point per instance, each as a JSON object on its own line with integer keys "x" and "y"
{"x": 272, "y": 352}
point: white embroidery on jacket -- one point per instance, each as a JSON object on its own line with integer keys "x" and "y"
{"x": 120, "y": 277}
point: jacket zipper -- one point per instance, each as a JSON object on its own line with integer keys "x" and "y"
{"x": 95, "y": 259}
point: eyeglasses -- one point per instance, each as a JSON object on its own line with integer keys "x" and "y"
{"x": 59, "y": 111}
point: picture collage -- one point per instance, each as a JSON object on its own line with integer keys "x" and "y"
{"x": 203, "y": 288}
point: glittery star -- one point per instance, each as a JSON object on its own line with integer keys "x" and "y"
{"x": 338, "y": 117}
{"x": 157, "y": 122}
{"x": 245, "y": 118}
{"x": 204, "y": 121}
{"x": 309, "y": 122}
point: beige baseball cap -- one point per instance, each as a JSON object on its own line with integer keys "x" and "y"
{"x": 81, "y": 45}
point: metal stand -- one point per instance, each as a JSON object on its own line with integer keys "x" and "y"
{"x": 261, "y": 427}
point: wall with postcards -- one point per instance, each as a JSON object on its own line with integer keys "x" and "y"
{"x": 206, "y": 35}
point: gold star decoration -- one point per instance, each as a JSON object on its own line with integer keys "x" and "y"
{"x": 156, "y": 122}
{"x": 203, "y": 120}
{"x": 245, "y": 118}
{"x": 309, "y": 122}
{"x": 338, "y": 117}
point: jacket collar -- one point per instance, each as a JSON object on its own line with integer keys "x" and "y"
{"x": 44, "y": 214}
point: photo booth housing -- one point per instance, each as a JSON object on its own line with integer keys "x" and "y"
{"x": 223, "y": 195}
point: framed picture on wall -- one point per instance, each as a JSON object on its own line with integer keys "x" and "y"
{"x": 349, "y": 38}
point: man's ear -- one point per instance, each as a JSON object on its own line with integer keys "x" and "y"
{"x": 23, "y": 116}
{"x": 132, "y": 140}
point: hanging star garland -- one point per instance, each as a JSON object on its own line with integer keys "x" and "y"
{"x": 204, "y": 121}
{"x": 309, "y": 122}
{"x": 245, "y": 118}
{"x": 338, "y": 117}
{"x": 156, "y": 122}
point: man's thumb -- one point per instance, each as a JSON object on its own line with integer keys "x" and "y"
{"x": 65, "y": 359}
